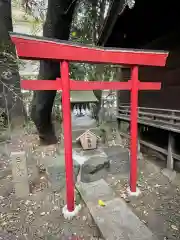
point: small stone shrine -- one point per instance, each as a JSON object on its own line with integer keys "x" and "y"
{"x": 88, "y": 140}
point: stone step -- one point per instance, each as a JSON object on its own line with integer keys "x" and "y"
{"x": 83, "y": 122}
{"x": 115, "y": 220}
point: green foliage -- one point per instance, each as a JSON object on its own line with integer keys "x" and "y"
{"x": 86, "y": 26}
{"x": 87, "y": 22}
{"x": 88, "y": 19}
{"x": 36, "y": 26}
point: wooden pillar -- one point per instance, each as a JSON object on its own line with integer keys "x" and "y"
{"x": 134, "y": 128}
{"x": 140, "y": 156}
{"x": 66, "y": 107}
{"x": 119, "y": 78}
{"x": 170, "y": 160}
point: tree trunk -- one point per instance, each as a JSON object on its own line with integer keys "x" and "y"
{"x": 57, "y": 25}
{"x": 98, "y": 93}
{"x": 103, "y": 4}
{"x": 94, "y": 20}
{"x": 10, "y": 93}
{"x": 98, "y": 21}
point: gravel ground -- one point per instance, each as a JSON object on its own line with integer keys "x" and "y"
{"x": 158, "y": 205}
{"x": 39, "y": 216}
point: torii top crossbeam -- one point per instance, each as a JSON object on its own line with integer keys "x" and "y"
{"x": 36, "y": 48}
{"x": 65, "y": 50}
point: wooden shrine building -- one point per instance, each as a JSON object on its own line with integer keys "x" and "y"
{"x": 150, "y": 25}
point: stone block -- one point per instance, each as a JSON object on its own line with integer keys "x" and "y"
{"x": 171, "y": 175}
{"x": 79, "y": 157}
{"x": 119, "y": 159}
{"x": 20, "y": 174}
{"x": 93, "y": 153}
{"x": 87, "y": 178}
{"x": 57, "y": 178}
{"x": 94, "y": 164}
{"x": 115, "y": 220}
{"x": 55, "y": 169}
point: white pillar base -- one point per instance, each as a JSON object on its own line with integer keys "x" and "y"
{"x": 69, "y": 215}
{"x": 133, "y": 194}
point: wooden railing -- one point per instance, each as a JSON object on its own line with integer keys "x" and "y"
{"x": 166, "y": 119}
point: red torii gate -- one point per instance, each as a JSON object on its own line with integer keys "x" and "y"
{"x": 32, "y": 48}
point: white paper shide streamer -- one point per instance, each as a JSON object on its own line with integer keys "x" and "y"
{"x": 130, "y": 3}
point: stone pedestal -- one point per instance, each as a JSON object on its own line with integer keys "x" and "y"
{"x": 55, "y": 168}
{"x": 97, "y": 164}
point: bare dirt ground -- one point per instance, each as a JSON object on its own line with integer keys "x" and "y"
{"x": 39, "y": 216}
{"x": 158, "y": 206}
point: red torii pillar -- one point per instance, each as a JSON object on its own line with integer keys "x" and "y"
{"x": 32, "y": 48}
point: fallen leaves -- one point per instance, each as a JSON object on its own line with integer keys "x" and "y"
{"x": 101, "y": 203}
{"x": 30, "y": 212}
{"x": 174, "y": 227}
{"x": 43, "y": 213}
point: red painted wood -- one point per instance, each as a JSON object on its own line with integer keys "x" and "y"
{"x": 134, "y": 116}
{"x": 42, "y": 49}
{"x": 82, "y": 85}
{"x": 41, "y": 85}
{"x": 67, "y": 135}
{"x": 149, "y": 86}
